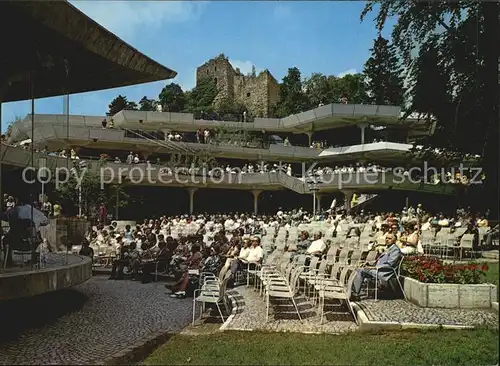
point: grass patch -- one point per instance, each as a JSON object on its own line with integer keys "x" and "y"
{"x": 443, "y": 347}
{"x": 492, "y": 274}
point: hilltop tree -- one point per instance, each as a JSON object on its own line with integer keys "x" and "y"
{"x": 383, "y": 74}
{"x": 318, "y": 90}
{"x": 146, "y": 104}
{"x": 202, "y": 95}
{"x": 350, "y": 86}
{"x": 457, "y": 44}
{"x": 293, "y": 99}
{"x": 172, "y": 98}
{"x": 120, "y": 103}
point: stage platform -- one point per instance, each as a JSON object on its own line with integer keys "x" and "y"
{"x": 61, "y": 271}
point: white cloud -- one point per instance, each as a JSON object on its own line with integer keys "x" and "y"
{"x": 347, "y": 72}
{"x": 282, "y": 12}
{"x": 187, "y": 80}
{"x": 245, "y": 66}
{"x": 126, "y": 17}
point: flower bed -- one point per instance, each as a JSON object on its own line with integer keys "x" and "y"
{"x": 433, "y": 270}
{"x": 431, "y": 283}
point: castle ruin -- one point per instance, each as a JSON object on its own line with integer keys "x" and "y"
{"x": 258, "y": 93}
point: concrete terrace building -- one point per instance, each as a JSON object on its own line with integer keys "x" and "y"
{"x": 290, "y": 143}
{"x": 258, "y": 93}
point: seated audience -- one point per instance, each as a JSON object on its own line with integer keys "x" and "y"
{"x": 318, "y": 246}
{"x": 383, "y": 267}
{"x": 191, "y": 274}
{"x": 86, "y": 250}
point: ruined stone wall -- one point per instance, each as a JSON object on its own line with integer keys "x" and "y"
{"x": 257, "y": 93}
{"x": 221, "y": 70}
{"x": 252, "y": 92}
{"x": 273, "y": 92}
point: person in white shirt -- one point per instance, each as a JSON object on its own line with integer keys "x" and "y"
{"x": 241, "y": 259}
{"x": 318, "y": 246}
{"x": 256, "y": 252}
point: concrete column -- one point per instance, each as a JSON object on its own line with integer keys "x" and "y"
{"x": 362, "y": 127}
{"x": 309, "y": 136}
{"x": 117, "y": 203}
{"x": 318, "y": 204}
{"x": 348, "y": 197}
{"x": 191, "y": 192}
{"x": 256, "y": 193}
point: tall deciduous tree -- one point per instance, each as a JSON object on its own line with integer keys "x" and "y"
{"x": 203, "y": 95}
{"x": 460, "y": 41}
{"x": 172, "y": 98}
{"x": 120, "y": 103}
{"x": 351, "y": 87}
{"x": 318, "y": 90}
{"x": 293, "y": 99}
{"x": 384, "y": 74}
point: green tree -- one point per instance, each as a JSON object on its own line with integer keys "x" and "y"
{"x": 458, "y": 40}
{"x": 384, "y": 74}
{"x": 229, "y": 106}
{"x": 351, "y": 87}
{"x": 120, "y": 103}
{"x": 146, "y": 104}
{"x": 318, "y": 90}
{"x": 172, "y": 98}
{"x": 293, "y": 99}
{"x": 203, "y": 95}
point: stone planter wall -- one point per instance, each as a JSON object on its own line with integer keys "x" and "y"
{"x": 437, "y": 295}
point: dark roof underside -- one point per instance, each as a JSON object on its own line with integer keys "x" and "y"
{"x": 71, "y": 53}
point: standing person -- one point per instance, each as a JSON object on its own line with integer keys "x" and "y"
{"x": 57, "y": 210}
{"x": 103, "y": 214}
{"x": 22, "y": 219}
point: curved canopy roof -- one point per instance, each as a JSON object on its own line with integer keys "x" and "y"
{"x": 71, "y": 53}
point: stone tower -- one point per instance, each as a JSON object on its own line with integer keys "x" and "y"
{"x": 258, "y": 93}
{"x": 223, "y": 73}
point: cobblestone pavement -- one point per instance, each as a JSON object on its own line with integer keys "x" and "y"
{"x": 88, "y": 323}
{"x": 401, "y": 311}
{"x": 251, "y": 315}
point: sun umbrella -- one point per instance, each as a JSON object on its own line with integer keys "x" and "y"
{"x": 24, "y": 213}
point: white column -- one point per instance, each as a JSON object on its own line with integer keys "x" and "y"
{"x": 117, "y": 203}
{"x": 309, "y": 136}
{"x": 318, "y": 198}
{"x": 362, "y": 127}
{"x": 256, "y": 193}
{"x": 191, "y": 192}
{"x": 348, "y": 197}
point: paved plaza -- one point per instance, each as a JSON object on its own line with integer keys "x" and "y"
{"x": 88, "y": 323}
{"x": 251, "y": 315}
{"x": 252, "y": 311}
{"x": 401, "y": 311}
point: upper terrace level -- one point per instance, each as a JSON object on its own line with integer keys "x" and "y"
{"x": 327, "y": 117}
{"x": 59, "y": 137}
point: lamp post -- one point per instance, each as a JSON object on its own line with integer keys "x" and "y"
{"x": 313, "y": 183}
{"x": 42, "y": 171}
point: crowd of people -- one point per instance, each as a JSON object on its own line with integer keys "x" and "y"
{"x": 185, "y": 246}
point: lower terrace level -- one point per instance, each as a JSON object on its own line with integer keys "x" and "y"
{"x": 161, "y": 200}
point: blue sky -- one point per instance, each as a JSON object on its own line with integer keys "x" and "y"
{"x": 325, "y": 37}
